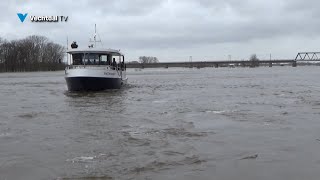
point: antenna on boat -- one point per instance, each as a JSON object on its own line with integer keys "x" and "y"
{"x": 67, "y": 50}
{"x": 95, "y": 38}
{"x": 95, "y": 35}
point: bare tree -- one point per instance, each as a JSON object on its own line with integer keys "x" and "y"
{"x": 148, "y": 59}
{"x": 2, "y": 60}
{"x": 254, "y": 60}
{"x": 34, "y": 53}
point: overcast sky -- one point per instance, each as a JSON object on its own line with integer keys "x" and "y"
{"x": 173, "y": 30}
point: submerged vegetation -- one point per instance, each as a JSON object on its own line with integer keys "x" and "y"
{"x": 34, "y": 53}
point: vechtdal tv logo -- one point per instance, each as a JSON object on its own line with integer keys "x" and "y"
{"x": 23, "y": 16}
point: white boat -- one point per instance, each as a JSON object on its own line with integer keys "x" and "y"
{"x": 95, "y": 69}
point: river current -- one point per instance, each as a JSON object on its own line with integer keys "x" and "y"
{"x": 225, "y": 123}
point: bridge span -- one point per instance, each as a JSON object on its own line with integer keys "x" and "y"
{"x": 216, "y": 64}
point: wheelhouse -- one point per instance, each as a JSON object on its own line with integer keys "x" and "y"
{"x": 94, "y": 57}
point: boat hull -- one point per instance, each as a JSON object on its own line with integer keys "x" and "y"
{"x": 92, "y": 83}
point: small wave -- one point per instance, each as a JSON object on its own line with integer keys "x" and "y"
{"x": 316, "y": 103}
{"x": 129, "y": 86}
{"x": 184, "y": 133}
{"x": 129, "y": 138}
{"x": 138, "y": 142}
{"x": 5, "y": 134}
{"x": 86, "y": 178}
{"x": 89, "y": 159}
{"x": 172, "y": 153}
{"x": 215, "y": 112}
{"x": 82, "y": 159}
{"x": 29, "y": 115}
{"x": 160, "y": 101}
{"x": 255, "y": 156}
{"x": 164, "y": 165}
{"x": 178, "y": 132}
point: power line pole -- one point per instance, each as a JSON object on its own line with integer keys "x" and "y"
{"x": 270, "y": 57}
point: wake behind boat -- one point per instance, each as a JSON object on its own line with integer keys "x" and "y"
{"x": 95, "y": 69}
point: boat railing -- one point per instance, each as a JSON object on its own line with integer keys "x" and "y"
{"x": 118, "y": 68}
{"x": 88, "y": 67}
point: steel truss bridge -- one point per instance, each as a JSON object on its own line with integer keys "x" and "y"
{"x": 301, "y": 57}
{"x": 308, "y": 56}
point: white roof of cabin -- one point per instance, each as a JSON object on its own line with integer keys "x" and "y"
{"x": 96, "y": 51}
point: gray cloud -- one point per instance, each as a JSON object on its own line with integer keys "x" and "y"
{"x": 174, "y": 28}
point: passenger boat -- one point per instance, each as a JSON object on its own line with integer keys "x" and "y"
{"x": 95, "y": 69}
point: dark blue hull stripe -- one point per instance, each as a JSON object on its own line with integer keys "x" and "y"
{"x": 92, "y": 83}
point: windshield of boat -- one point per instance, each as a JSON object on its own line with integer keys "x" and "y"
{"x": 91, "y": 59}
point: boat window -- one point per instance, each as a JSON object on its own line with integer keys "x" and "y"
{"x": 77, "y": 59}
{"x": 91, "y": 59}
{"x": 105, "y": 59}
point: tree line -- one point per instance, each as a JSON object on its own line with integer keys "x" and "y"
{"x": 33, "y": 53}
{"x": 148, "y": 59}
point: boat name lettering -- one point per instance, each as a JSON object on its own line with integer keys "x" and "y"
{"x": 108, "y": 73}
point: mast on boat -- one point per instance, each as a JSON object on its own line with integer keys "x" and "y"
{"x": 95, "y": 38}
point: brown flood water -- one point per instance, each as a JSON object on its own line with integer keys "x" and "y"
{"x": 186, "y": 124}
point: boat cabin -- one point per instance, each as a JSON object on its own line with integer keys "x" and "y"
{"x": 97, "y": 57}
